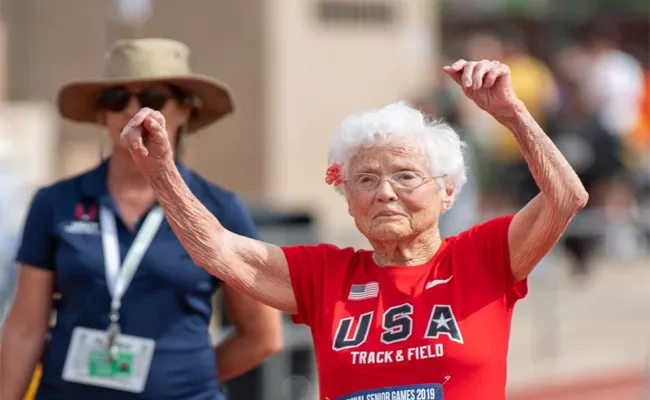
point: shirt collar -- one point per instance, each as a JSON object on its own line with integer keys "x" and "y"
{"x": 94, "y": 184}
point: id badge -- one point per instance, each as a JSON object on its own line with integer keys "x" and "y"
{"x": 88, "y": 360}
{"x": 432, "y": 391}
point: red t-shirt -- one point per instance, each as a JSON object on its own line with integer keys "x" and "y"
{"x": 410, "y": 333}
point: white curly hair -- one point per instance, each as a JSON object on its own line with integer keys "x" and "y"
{"x": 399, "y": 120}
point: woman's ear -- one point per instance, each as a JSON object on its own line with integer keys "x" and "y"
{"x": 100, "y": 117}
{"x": 185, "y": 114}
{"x": 448, "y": 197}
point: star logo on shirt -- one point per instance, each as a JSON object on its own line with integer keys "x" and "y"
{"x": 442, "y": 321}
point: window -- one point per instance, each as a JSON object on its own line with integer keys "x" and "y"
{"x": 357, "y": 13}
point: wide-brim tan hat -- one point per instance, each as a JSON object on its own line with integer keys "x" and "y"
{"x": 151, "y": 60}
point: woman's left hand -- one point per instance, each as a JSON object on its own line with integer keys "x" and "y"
{"x": 486, "y": 83}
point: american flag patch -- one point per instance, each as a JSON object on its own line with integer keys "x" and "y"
{"x": 364, "y": 291}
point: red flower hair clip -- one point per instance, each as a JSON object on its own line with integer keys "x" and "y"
{"x": 333, "y": 175}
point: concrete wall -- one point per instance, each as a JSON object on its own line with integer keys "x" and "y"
{"x": 317, "y": 74}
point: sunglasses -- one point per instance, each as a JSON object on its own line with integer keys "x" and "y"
{"x": 116, "y": 99}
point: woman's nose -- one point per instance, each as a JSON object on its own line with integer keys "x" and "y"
{"x": 132, "y": 107}
{"x": 385, "y": 191}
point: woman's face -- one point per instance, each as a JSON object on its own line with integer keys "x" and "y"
{"x": 155, "y": 96}
{"x": 404, "y": 202}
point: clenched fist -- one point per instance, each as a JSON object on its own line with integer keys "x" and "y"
{"x": 487, "y": 83}
{"x": 146, "y": 138}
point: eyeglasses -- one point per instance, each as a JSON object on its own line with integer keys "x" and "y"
{"x": 116, "y": 98}
{"x": 366, "y": 182}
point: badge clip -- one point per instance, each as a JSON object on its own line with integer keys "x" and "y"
{"x": 112, "y": 334}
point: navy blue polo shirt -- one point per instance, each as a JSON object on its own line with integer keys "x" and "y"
{"x": 168, "y": 299}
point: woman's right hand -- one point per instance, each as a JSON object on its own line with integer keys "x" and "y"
{"x": 24, "y": 333}
{"x": 148, "y": 142}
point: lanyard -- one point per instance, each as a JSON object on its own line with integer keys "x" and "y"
{"x": 118, "y": 279}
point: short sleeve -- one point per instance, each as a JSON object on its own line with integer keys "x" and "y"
{"x": 37, "y": 244}
{"x": 492, "y": 238}
{"x": 306, "y": 266}
{"x": 237, "y": 219}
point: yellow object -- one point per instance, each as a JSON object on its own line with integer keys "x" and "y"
{"x": 533, "y": 83}
{"x": 33, "y": 385}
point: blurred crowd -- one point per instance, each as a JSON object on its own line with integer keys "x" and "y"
{"x": 593, "y": 99}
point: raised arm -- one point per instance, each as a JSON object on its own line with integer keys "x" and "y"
{"x": 256, "y": 268}
{"x": 539, "y": 225}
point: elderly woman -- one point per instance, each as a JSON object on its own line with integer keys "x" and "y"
{"x": 419, "y": 315}
{"x": 128, "y": 325}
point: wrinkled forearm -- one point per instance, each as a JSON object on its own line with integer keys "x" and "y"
{"x": 255, "y": 268}
{"x": 555, "y": 177}
{"x": 197, "y": 229}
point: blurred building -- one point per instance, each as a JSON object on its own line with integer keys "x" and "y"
{"x": 297, "y": 67}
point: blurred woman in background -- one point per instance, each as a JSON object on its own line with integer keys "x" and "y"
{"x": 128, "y": 324}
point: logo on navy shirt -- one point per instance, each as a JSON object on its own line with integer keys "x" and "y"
{"x": 85, "y": 222}
{"x": 85, "y": 213}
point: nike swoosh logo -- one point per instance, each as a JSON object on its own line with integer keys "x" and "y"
{"x": 437, "y": 282}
